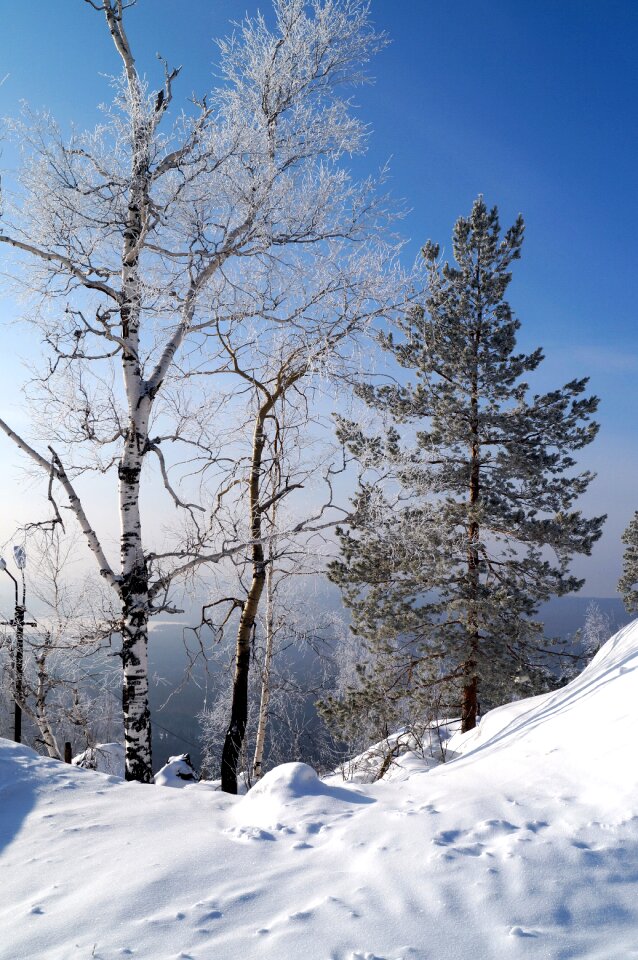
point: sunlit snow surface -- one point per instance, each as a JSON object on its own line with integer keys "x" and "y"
{"x": 524, "y": 845}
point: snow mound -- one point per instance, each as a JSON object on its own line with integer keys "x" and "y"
{"x": 292, "y": 794}
{"x": 287, "y": 782}
{"x": 177, "y": 772}
{"x": 103, "y": 757}
{"x": 523, "y": 847}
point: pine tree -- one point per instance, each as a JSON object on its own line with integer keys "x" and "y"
{"x": 628, "y": 583}
{"x": 490, "y": 525}
{"x": 386, "y": 553}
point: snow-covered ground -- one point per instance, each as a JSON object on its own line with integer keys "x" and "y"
{"x": 525, "y": 845}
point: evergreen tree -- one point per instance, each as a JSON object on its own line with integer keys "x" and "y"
{"x": 628, "y": 583}
{"x": 488, "y": 526}
{"x": 386, "y": 553}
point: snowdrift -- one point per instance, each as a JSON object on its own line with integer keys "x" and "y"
{"x": 525, "y": 845}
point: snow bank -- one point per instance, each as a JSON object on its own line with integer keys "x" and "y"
{"x": 400, "y": 756}
{"x": 523, "y": 846}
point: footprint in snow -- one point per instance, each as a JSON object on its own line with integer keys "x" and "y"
{"x": 446, "y": 837}
{"x": 211, "y": 915}
{"x": 502, "y": 826}
{"x": 536, "y": 825}
{"x": 314, "y": 826}
{"x": 246, "y": 896}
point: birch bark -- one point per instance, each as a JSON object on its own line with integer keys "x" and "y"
{"x": 264, "y": 701}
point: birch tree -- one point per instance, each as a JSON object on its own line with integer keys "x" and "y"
{"x": 284, "y": 369}
{"x": 140, "y": 239}
{"x": 282, "y": 463}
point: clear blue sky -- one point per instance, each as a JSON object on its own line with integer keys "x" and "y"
{"x": 532, "y": 104}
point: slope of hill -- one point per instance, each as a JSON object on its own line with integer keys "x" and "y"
{"x": 525, "y": 845}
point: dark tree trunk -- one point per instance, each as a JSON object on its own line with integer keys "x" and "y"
{"x": 18, "y": 670}
{"x": 234, "y": 740}
{"x": 469, "y": 707}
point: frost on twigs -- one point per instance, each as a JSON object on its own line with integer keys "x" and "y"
{"x": 164, "y": 252}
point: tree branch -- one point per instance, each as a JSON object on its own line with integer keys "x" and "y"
{"x": 65, "y": 262}
{"x": 55, "y": 468}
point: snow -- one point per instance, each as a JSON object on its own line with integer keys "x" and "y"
{"x": 400, "y": 755}
{"x": 103, "y": 757}
{"x": 524, "y": 845}
{"x": 177, "y": 772}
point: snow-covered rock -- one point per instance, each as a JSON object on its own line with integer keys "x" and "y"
{"x": 177, "y": 772}
{"x": 523, "y": 847}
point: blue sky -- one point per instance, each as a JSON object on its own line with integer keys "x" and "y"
{"x": 531, "y": 104}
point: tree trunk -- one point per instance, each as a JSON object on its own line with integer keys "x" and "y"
{"x": 135, "y": 606}
{"x": 469, "y": 706}
{"x": 137, "y": 717}
{"x": 41, "y": 709}
{"x": 18, "y": 671}
{"x": 264, "y": 702}
{"x": 135, "y": 585}
{"x": 234, "y": 740}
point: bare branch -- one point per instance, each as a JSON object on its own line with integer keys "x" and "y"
{"x": 50, "y": 257}
{"x": 55, "y": 467}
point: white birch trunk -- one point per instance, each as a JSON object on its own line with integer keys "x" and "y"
{"x": 264, "y": 703}
{"x": 135, "y": 607}
{"x": 135, "y": 585}
{"x": 41, "y": 712}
